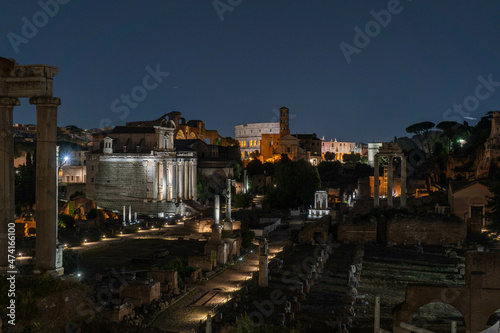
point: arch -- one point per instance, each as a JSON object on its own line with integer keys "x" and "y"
{"x": 438, "y": 313}
{"x": 180, "y": 136}
{"x": 495, "y": 316}
{"x": 170, "y": 124}
{"x": 420, "y": 295}
{"x": 192, "y": 135}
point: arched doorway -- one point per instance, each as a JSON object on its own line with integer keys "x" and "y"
{"x": 437, "y": 317}
{"x": 492, "y": 320}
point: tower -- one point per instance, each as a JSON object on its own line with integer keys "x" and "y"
{"x": 284, "y": 122}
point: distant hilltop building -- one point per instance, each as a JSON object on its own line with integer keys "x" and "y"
{"x": 249, "y": 136}
{"x": 138, "y": 165}
{"x": 339, "y": 148}
{"x": 193, "y": 129}
{"x": 271, "y": 140}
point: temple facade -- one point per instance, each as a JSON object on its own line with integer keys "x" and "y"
{"x": 138, "y": 166}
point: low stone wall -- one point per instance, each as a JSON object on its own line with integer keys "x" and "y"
{"x": 429, "y": 231}
{"x": 355, "y": 233}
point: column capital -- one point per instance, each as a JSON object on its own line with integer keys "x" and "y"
{"x": 9, "y": 101}
{"x": 45, "y": 101}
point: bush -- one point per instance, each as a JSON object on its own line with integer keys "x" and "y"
{"x": 242, "y": 200}
{"x": 65, "y": 221}
{"x": 93, "y": 214}
{"x": 77, "y": 194}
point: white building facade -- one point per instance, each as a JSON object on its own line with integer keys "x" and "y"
{"x": 249, "y": 136}
{"x": 139, "y": 166}
{"x": 339, "y": 148}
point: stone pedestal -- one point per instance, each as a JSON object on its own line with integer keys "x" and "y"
{"x": 6, "y": 174}
{"x": 46, "y": 182}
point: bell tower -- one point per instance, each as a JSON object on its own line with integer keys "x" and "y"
{"x": 284, "y": 122}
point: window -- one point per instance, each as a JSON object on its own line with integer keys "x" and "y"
{"x": 92, "y": 180}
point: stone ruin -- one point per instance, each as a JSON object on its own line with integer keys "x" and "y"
{"x": 477, "y": 301}
{"x": 34, "y": 82}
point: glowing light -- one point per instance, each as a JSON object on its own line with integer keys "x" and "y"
{"x": 66, "y": 158}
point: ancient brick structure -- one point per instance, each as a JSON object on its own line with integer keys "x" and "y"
{"x": 476, "y": 302}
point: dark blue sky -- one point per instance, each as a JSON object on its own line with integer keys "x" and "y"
{"x": 262, "y": 55}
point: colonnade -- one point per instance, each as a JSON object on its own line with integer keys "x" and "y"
{"x": 174, "y": 180}
{"x": 46, "y": 180}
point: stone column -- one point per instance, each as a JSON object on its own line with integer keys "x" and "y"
{"x": 390, "y": 180}
{"x": 6, "y": 174}
{"x": 165, "y": 182}
{"x": 155, "y": 181}
{"x": 376, "y": 198}
{"x": 130, "y": 213}
{"x": 195, "y": 181}
{"x": 124, "y": 214}
{"x": 245, "y": 181}
{"x": 173, "y": 174}
{"x": 376, "y": 320}
{"x": 186, "y": 179}
{"x": 46, "y": 183}
{"x": 228, "y": 200}
{"x": 216, "y": 209}
{"x": 170, "y": 181}
{"x": 263, "y": 263}
{"x": 403, "y": 181}
{"x": 180, "y": 166}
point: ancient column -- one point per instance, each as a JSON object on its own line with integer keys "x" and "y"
{"x": 376, "y": 198}
{"x": 195, "y": 181}
{"x": 208, "y": 326}
{"x": 165, "y": 182}
{"x": 155, "y": 181}
{"x": 173, "y": 174}
{"x": 390, "y": 180}
{"x": 403, "y": 181}
{"x": 124, "y": 214}
{"x": 263, "y": 263}
{"x": 170, "y": 181}
{"x": 216, "y": 209}
{"x": 228, "y": 201}
{"x": 130, "y": 213}
{"x": 245, "y": 181}
{"x": 46, "y": 182}
{"x": 6, "y": 174}
{"x": 180, "y": 166}
{"x": 186, "y": 179}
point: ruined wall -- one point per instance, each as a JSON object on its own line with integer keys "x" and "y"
{"x": 483, "y": 262}
{"x": 355, "y": 233}
{"x": 426, "y": 230}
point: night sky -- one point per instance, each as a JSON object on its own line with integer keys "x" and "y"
{"x": 262, "y": 55}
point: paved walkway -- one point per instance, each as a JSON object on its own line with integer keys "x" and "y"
{"x": 186, "y": 314}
